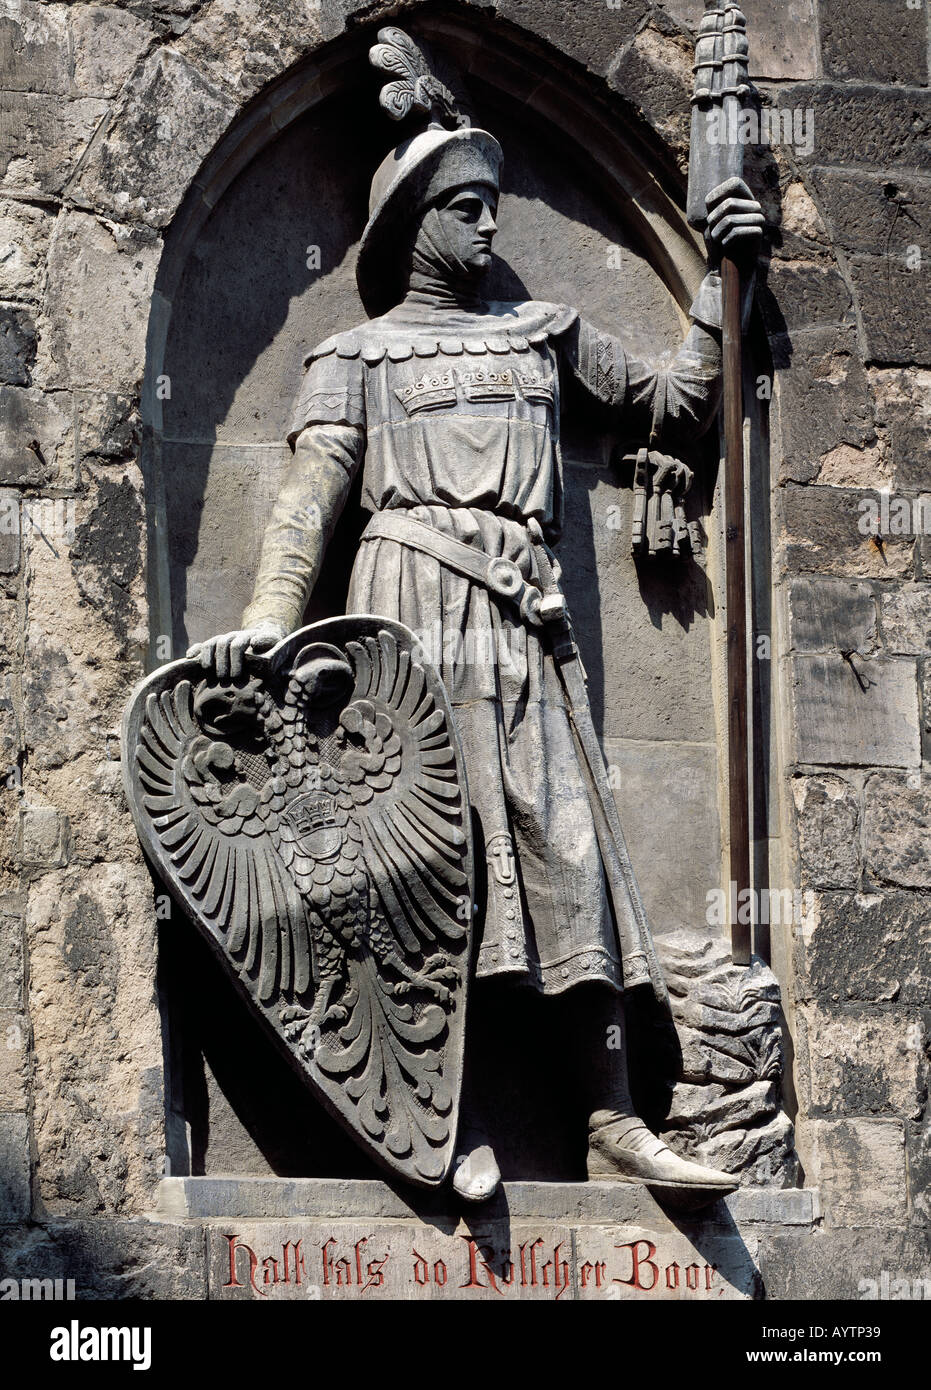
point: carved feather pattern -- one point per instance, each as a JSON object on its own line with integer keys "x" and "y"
{"x": 312, "y": 818}
{"x": 416, "y": 87}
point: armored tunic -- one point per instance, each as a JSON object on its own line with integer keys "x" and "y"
{"x": 453, "y": 416}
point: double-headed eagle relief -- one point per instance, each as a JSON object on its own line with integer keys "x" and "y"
{"x": 312, "y": 817}
{"x": 311, "y": 798}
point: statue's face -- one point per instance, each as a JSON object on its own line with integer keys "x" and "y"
{"x": 468, "y": 219}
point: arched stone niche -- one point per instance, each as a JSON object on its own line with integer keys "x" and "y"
{"x": 590, "y": 215}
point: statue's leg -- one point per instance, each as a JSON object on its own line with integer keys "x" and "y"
{"x": 620, "y": 1147}
{"x": 475, "y": 1169}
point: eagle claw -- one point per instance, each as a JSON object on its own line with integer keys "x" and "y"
{"x": 430, "y": 978}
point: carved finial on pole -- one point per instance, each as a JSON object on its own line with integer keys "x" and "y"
{"x": 722, "y": 88}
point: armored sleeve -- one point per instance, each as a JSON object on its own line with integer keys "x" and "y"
{"x": 332, "y": 392}
{"x": 327, "y": 435}
{"x": 680, "y": 399}
{"x": 312, "y": 496}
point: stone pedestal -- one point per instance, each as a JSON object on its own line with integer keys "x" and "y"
{"x": 329, "y": 1239}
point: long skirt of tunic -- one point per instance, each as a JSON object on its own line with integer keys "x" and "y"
{"x": 547, "y": 918}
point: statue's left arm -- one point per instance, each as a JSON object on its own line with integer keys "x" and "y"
{"x": 679, "y": 401}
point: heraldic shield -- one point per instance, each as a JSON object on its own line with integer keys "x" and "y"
{"x": 312, "y": 818}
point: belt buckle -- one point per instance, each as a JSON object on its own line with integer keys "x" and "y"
{"x": 505, "y": 578}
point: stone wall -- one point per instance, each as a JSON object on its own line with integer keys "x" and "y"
{"x": 110, "y": 116}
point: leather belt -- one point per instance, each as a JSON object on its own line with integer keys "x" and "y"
{"x": 500, "y": 576}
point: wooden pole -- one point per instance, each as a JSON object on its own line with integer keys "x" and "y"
{"x": 736, "y": 611}
{"x": 721, "y": 88}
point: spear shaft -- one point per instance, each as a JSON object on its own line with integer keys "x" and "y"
{"x": 721, "y": 87}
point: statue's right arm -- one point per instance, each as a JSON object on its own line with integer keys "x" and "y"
{"x": 311, "y": 499}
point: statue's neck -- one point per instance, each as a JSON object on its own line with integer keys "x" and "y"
{"x": 432, "y": 290}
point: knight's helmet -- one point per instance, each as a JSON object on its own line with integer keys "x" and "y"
{"x": 449, "y": 154}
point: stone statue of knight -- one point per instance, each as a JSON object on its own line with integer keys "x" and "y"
{"x": 450, "y": 405}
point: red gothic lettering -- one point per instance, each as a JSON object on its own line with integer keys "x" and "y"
{"x": 598, "y": 1269}
{"x": 293, "y": 1251}
{"x": 476, "y": 1258}
{"x": 639, "y": 1262}
{"x": 327, "y": 1259}
{"x": 376, "y": 1276}
{"x": 235, "y": 1245}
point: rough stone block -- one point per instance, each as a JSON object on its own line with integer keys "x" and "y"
{"x": 571, "y": 28}
{"x": 871, "y": 213}
{"x": 11, "y": 962}
{"x": 107, "y": 40}
{"x": 93, "y": 263}
{"x": 654, "y": 71}
{"x": 897, "y": 829}
{"x": 112, "y": 1259}
{"x": 784, "y": 42}
{"x": 924, "y": 668}
{"x": 872, "y": 947}
{"x": 45, "y": 837}
{"x": 862, "y": 712}
{"x": 792, "y": 1206}
{"x": 895, "y": 305}
{"x": 882, "y": 43}
{"x": 107, "y": 553}
{"x": 17, "y": 346}
{"x": 107, "y": 425}
{"x": 36, "y": 437}
{"x": 827, "y": 530}
{"x": 906, "y": 619}
{"x": 824, "y": 401}
{"x": 860, "y": 124}
{"x": 802, "y": 233}
{"x": 828, "y": 810}
{"x": 9, "y": 531}
{"x": 859, "y": 1166}
{"x": 42, "y": 139}
{"x": 168, "y": 118}
{"x": 838, "y": 1264}
{"x": 279, "y": 32}
{"x": 34, "y": 54}
{"x": 860, "y": 1061}
{"x": 903, "y": 410}
{"x": 850, "y": 466}
{"x": 15, "y": 1196}
{"x": 24, "y": 235}
{"x": 831, "y": 615}
{"x": 804, "y": 296}
{"x": 918, "y": 1150}
{"x": 97, "y": 1066}
{"x": 14, "y": 1060}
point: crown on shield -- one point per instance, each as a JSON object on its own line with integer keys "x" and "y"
{"x": 448, "y": 154}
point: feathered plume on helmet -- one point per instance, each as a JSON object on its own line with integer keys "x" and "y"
{"x": 448, "y": 154}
